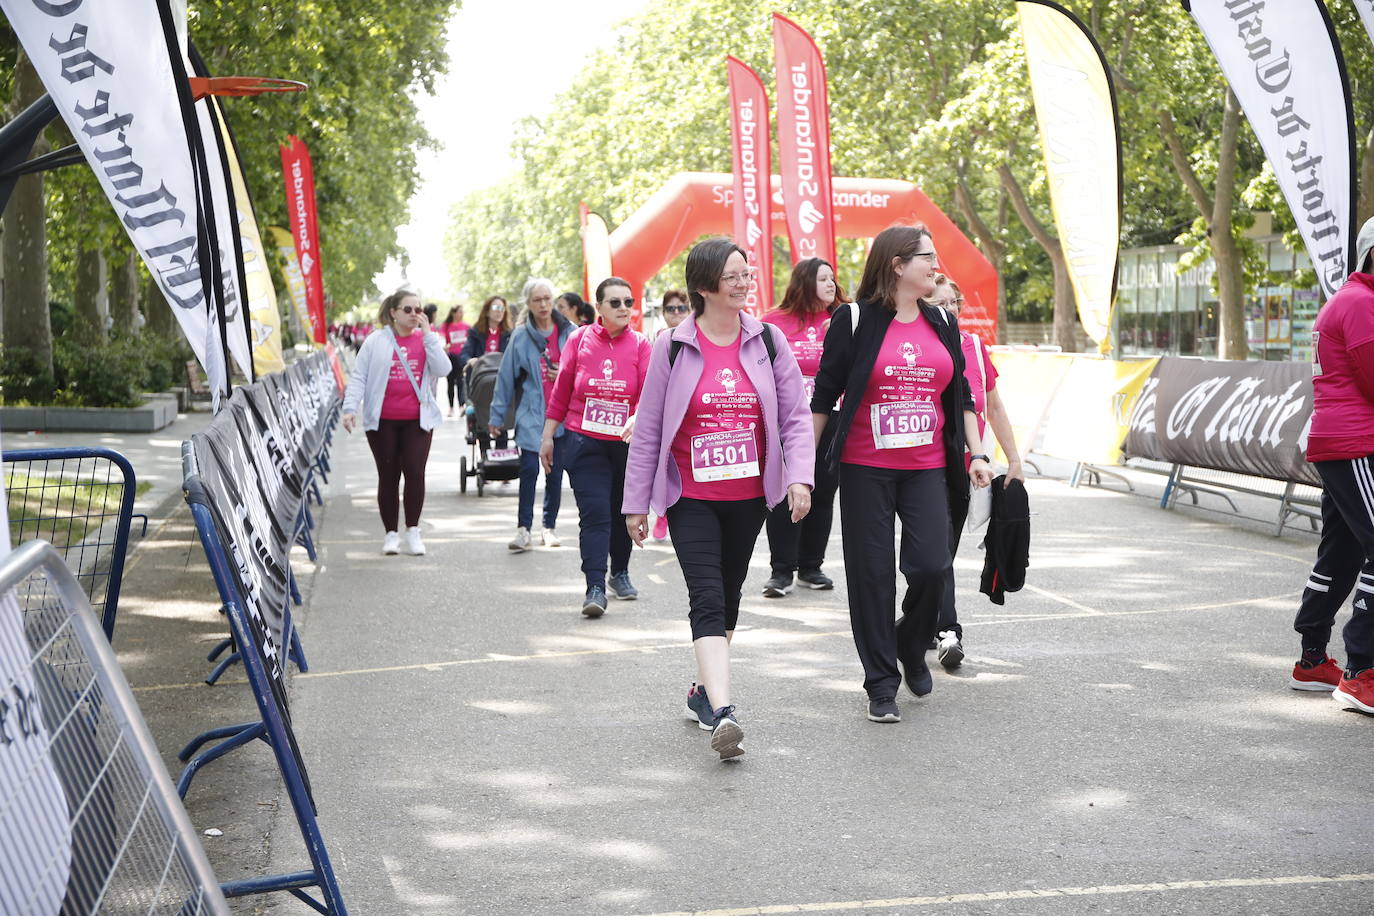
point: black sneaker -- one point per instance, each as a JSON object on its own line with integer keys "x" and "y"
{"x": 727, "y": 737}
{"x": 950, "y": 650}
{"x": 620, "y": 587}
{"x": 914, "y": 669}
{"x": 595, "y": 603}
{"x": 814, "y": 578}
{"x": 699, "y": 708}
{"x": 778, "y": 586}
{"x": 884, "y": 709}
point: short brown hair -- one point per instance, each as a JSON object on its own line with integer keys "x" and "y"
{"x": 879, "y": 283}
{"x": 390, "y": 302}
{"x": 674, "y": 293}
{"x": 705, "y": 262}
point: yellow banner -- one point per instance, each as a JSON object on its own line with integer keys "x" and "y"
{"x": 1090, "y": 414}
{"x": 295, "y": 283}
{"x": 1076, "y": 111}
{"x": 264, "y": 321}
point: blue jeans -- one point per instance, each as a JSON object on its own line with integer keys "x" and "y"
{"x": 597, "y": 469}
{"x": 553, "y": 485}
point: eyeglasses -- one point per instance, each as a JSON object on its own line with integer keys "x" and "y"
{"x": 743, "y": 277}
{"x": 620, "y": 303}
{"x": 958, "y": 300}
{"x": 410, "y": 309}
{"x": 675, "y": 309}
{"x": 931, "y": 257}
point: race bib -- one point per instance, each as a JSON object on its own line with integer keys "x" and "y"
{"x": 1316, "y": 353}
{"x": 728, "y": 455}
{"x": 809, "y": 386}
{"x": 502, "y": 454}
{"x": 607, "y": 418}
{"x": 903, "y": 424}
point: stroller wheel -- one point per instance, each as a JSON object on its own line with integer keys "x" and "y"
{"x": 463, "y": 474}
{"x": 480, "y": 481}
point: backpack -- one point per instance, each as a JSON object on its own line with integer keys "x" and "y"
{"x": 768, "y": 343}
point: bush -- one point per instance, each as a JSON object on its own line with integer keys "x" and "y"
{"x": 165, "y": 360}
{"x": 113, "y": 374}
{"x": 24, "y": 378}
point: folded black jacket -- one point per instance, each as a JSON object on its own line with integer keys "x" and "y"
{"x": 1007, "y": 544}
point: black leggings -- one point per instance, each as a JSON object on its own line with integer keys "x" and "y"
{"x": 400, "y": 448}
{"x": 714, "y": 540}
{"x": 455, "y": 382}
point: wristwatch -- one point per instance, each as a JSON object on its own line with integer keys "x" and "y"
{"x": 983, "y": 457}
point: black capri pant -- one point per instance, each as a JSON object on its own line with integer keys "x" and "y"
{"x": 714, "y": 540}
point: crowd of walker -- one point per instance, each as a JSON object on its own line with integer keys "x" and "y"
{"x": 726, "y": 424}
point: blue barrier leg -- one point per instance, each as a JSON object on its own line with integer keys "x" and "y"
{"x": 295, "y": 592}
{"x": 222, "y": 667}
{"x": 293, "y": 883}
{"x": 308, "y": 543}
{"x": 296, "y": 651}
{"x": 240, "y": 735}
{"x": 220, "y": 646}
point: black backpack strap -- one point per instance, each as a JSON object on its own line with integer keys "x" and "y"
{"x": 673, "y": 346}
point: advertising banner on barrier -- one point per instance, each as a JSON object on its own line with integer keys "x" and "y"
{"x": 115, "y": 72}
{"x": 1088, "y": 418}
{"x": 1075, "y": 107}
{"x": 1285, "y": 66}
{"x": 305, "y": 229}
{"x": 1245, "y": 417}
{"x": 1028, "y": 382}
{"x": 752, "y": 205}
{"x": 803, "y": 118}
{"x": 291, "y": 272}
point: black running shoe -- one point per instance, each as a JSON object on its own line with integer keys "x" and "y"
{"x": 620, "y": 587}
{"x": 727, "y": 737}
{"x": 950, "y": 650}
{"x": 914, "y": 669}
{"x": 777, "y": 586}
{"x": 884, "y": 709}
{"x": 699, "y": 708}
{"x": 814, "y": 578}
{"x": 595, "y": 603}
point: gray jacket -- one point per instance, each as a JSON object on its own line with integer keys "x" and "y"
{"x": 367, "y": 383}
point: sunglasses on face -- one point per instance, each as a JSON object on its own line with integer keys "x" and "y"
{"x": 675, "y": 309}
{"x": 620, "y": 303}
{"x": 409, "y": 309}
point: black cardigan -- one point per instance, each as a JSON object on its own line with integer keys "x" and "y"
{"x": 847, "y": 361}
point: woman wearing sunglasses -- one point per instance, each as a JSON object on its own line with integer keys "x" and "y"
{"x": 595, "y": 397}
{"x": 898, "y": 444}
{"x": 721, "y": 436}
{"x": 803, "y": 316}
{"x": 393, "y": 383}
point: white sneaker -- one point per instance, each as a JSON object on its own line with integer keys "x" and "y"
{"x": 551, "y": 538}
{"x": 413, "y": 542}
{"x": 950, "y": 650}
{"x": 521, "y": 542}
{"x": 391, "y": 544}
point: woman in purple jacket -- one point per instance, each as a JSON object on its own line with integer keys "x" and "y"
{"x": 722, "y": 433}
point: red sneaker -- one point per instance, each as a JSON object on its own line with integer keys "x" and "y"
{"x": 1324, "y": 676}
{"x": 1357, "y": 692}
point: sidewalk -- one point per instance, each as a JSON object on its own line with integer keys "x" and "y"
{"x": 1122, "y": 737}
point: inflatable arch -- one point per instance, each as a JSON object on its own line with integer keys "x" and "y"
{"x": 693, "y": 204}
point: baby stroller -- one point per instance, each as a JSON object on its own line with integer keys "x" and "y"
{"x": 483, "y": 461}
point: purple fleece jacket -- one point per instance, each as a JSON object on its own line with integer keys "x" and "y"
{"x": 651, "y": 475}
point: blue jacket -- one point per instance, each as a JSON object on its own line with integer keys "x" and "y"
{"x": 523, "y": 362}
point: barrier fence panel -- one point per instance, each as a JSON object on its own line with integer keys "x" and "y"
{"x": 80, "y": 500}
{"x": 89, "y": 822}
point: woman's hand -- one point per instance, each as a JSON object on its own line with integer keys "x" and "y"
{"x": 799, "y": 501}
{"x": 494, "y": 431}
{"x": 349, "y": 421}
{"x": 638, "y": 527}
{"x": 1015, "y": 471}
{"x": 628, "y": 430}
{"x": 980, "y": 473}
{"x": 423, "y": 326}
{"x": 546, "y": 454}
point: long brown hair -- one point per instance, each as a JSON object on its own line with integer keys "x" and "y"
{"x": 879, "y": 283}
{"x": 800, "y": 298}
{"x": 483, "y": 323}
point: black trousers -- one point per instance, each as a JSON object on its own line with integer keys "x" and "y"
{"x": 802, "y": 545}
{"x": 714, "y": 540}
{"x": 871, "y": 500}
{"x": 949, "y": 617}
{"x": 455, "y": 383}
{"x": 1345, "y": 560}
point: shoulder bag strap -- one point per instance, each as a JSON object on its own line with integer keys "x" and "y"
{"x": 405, "y": 364}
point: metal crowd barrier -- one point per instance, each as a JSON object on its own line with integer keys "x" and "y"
{"x": 80, "y": 500}
{"x": 89, "y": 821}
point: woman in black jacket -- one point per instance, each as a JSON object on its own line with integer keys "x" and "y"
{"x": 491, "y": 332}
{"x": 899, "y": 447}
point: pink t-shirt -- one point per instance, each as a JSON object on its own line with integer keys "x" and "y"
{"x": 493, "y": 340}
{"x": 973, "y": 371}
{"x": 718, "y": 446}
{"x": 806, "y": 334}
{"x": 400, "y": 402}
{"x": 456, "y": 334}
{"x": 599, "y": 382}
{"x": 1342, "y": 413}
{"x": 899, "y": 420}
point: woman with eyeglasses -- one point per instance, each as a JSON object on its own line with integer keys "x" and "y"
{"x": 981, "y": 375}
{"x": 722, "y": 435}
{"x": 803, "y": 315}
{"x": 490, "y": 333}
{"x": 898, "y": 444}
{"x": 392, "y": 383}
{"x": 674, "y": 307}
{"x": 524, "y": 383}
{"x": 595, "y": 397}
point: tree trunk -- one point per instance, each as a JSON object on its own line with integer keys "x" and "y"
{"x": 993, "y": 249}
{"x": 124, "y": 293}
{"x": 24, "y": 244}
{"x": 161, "y": 321}
{"x": 1366, "y": 207}
{"x": 89, "y": 326}
{"x": 1065, "y": 307}
{"x": 1231, "y": 343}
